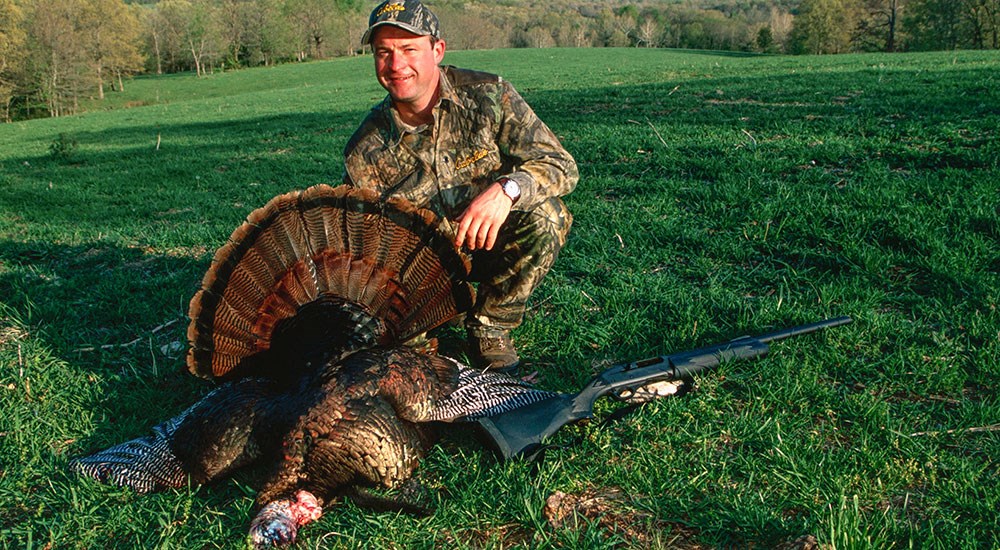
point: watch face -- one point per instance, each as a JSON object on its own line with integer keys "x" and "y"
{"x": 511, "y": 189}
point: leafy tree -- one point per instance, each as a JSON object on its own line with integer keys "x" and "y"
{"x": 110, "y": 36}
{"x": 321, "y": 28}
{"x": 470, "y": 28}
{"x": 231, "y": 23}
{"x": 723, "y": 32}
{"x": 648, "y": 33}
{"x": 255, "y": 32}
{"x": 310, "y": 22}
{"x": 823, "y": 26}
{"x": 193, "y": 27}
{"x": 950, "y": 24}
{"x": 276, "y": 41}
{"x": 58, "y": 69}
{"x": 933, "y": 24}
{"x": 765, "y": 39}
{"x": 878, "y": 27}
{"x": 12, "y": 53}
{"x": 53, "y": 51}
{"x": 781, "y": 22}
{"x": 625, "y": 24}
{"x": 572, "y": 29}
{"x": 983, "y": 18}
{"x": 156, "y": 32}
{"x": 614, "y": 30}
{"x": 346, "y": 32}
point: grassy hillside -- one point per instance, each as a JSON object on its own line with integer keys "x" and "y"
{"x": 720, "y": 195}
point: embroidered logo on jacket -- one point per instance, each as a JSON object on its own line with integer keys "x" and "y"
{"x": 474, "y": 157}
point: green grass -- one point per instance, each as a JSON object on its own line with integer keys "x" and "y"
{"x": 720, "y": 195}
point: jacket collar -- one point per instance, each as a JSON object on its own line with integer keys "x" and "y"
{"x": 448, "y": 94}
{"x": 447, "y": 97}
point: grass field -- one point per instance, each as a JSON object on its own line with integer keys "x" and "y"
{"x": 720, "y": 195}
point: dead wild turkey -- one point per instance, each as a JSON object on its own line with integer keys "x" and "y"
{"x": 301, "y": 316}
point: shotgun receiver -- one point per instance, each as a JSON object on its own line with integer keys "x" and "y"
{"x": 521, "y": 432}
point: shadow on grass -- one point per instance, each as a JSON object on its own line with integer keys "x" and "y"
{"x": 116, "y": 316}
{"x": 142, "y": 170}
{"x": 153, "y": 177}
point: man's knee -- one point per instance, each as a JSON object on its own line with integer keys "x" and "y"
{"x": 543, "y": 229}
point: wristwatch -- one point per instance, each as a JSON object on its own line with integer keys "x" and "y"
{"x": 510, "y": 188}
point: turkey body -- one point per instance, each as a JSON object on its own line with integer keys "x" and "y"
{"x": 364, "y": 421}
{"x": 301, "y": 317}
{"x": 361, "y": 421}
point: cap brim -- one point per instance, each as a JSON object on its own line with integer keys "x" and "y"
{"x": 367, "y": 37}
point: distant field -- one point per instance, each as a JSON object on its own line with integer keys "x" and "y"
{"x": 720, "y": 195}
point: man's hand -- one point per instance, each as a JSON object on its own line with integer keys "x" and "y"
{"x": 479, "y": 224}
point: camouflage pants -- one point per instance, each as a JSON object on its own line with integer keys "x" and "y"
{"x": 526, "y": 248}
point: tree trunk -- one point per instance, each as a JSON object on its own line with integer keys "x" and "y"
{"x": 53, "y": 99}
{"x": 156, "y": 52}
{"x": 318, "y": 46}
{"x": 890, "y": 43}
{"x": 100, "y": 82}
{"x": 197, "y": 60}
{"x": 993, "y": 17}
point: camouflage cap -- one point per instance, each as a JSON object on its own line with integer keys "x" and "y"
{"x": 409, "y": 15}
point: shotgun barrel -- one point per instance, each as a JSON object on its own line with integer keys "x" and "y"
{"x": 522, "y": 432}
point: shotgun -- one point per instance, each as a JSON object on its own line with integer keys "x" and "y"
{"x": 521, "y": 433}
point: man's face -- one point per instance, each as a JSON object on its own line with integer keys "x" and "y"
{"x": 406, "y": 65}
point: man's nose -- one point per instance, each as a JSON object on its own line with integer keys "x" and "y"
{"x": 396, "y": 61}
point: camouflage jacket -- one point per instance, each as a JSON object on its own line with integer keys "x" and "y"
{"x": 482, "y": 130}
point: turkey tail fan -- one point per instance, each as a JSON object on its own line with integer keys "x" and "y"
{"x": 327, "y": 269}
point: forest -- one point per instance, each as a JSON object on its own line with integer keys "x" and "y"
{"x": 57, "y": 55}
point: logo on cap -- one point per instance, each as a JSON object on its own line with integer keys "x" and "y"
{"x": 409, "y": 15}
{"x": 389, "y": 8}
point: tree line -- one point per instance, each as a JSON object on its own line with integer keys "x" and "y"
{"x": 53, "y": 53}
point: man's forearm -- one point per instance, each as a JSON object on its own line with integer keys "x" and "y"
{"x": 540, "y": 165}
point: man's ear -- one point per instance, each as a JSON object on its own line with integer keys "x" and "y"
{"x": 439, "y": 48}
